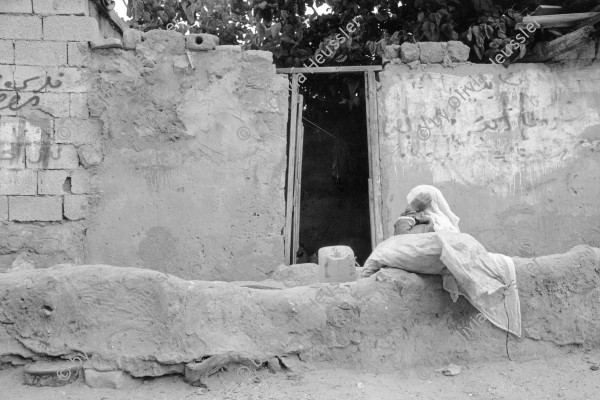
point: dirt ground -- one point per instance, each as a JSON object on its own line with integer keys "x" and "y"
{"x": 568, "y": 377}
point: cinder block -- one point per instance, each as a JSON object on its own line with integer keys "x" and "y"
{"x": 16, "y": 6}
{"x": 13, "y": 137}
{"x": 35, "y": 208}
{"x": 3, "y": 208}
{"x": 55, "y": 104}
{"x": 23, "y": 130}
{"x": 12, "y": 156}
{"x": 23, "y": 27}
{"x": 55, "y": 156}
{"x": 40, "y": 53}
{"x": 23, "y": 182}
{"x": 53, "y": 182}
{"x": 78, "y": 105}
{"x": 7, "y": 52}
{"x": 90, "y": 154}
{"x": 201, "y": 42}
{"x": 71, "y": 28}
{"x": 76, "y": 207}
{"x": 6, "y": 75}
{"x": 76, "y": 7}
{"x": 81, "y": 181}
{"x": 69, "y": 79}
{"x": 29, "y": 79}
{"x": 79, "y": 54}
{"x": 77, "y": 131}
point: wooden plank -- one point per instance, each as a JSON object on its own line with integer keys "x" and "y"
{"x": 370, "y": 154}
{"x": 558, "y": 20}
{"x": 588, "y": 21}
{"x": 372, "y": 215}
{"x": 117, "y": 21}
{"x": 547, "y": 10}
{"x": 567, "y": 42}
{"x": 297, "y": 187}
{"x": 289, "y": 198}
{"x": 326, "y": 70}
{"x": 375, "y": 163}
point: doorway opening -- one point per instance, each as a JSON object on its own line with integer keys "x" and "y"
{"x": 340, "y": 201}
{"x": 334, "y": 194}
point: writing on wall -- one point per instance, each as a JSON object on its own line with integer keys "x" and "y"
{"x": 14, "y": 102}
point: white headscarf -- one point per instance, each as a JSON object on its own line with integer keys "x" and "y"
{"x": 443, "y": 218}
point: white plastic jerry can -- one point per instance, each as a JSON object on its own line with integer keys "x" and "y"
{"x": 336, "y": 264}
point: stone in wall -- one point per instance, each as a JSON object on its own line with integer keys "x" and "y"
{"x": 458, "y": 51}
{"x": 431, "y": 52}
{"x": 409, "y": 52}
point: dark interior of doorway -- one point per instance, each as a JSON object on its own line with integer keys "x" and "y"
{"x": 334, "y": 202}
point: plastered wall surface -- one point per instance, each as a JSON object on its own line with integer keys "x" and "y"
{"x": 515, "y": 151}
{"x": 193, "y": 177}
{"x": 144, "y": 157}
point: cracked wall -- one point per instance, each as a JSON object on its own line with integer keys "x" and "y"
{"x": 515, "y": 151}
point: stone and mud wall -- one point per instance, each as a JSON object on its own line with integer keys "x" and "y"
{"x": 149, "y": 324}
{"x": 144, "y": 155}
{"x": 514, "y": 150}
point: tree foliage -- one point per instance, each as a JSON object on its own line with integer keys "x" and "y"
{"x": 294, "y": 32}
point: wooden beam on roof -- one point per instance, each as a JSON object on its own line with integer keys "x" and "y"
{"x": 568, "y": 42}
{"x": 547, "y": 10}
{"x": 323, "y": 70}
{"x": 588, "y": 21}
{"x": 557, "y": 20}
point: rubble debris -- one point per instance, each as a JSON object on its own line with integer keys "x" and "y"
{"x": 51, "y": 373}
{"x": 450, "y": 370}
{"x": 110, "y": 379}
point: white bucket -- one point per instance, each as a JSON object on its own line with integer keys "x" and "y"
{"x": 336, "y": 264}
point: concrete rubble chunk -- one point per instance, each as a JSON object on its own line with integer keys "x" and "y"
{"x": 431, "y": 52}
{"x": 229, "y": 47}
{"x": 409, "y": 52}
{"x": 53, "y": 374}
{"x": 167, "y": 41}
{"x": 131, "y": 38}
{"x": 110, "y": 379}
{"x": 156, "y": 324}
{"x": 458, "y": 51}
{"x": 90, "y": 154}
{"x": 392, "y": 51}
{"x": 110, "y": 43}
{"x": 201, "y": 42}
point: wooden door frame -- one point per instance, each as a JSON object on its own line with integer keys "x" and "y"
{"x": 375, "y": 198}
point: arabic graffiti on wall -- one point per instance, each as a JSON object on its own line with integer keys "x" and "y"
{"x": 526, "y": 126}
{"x": 14, "y": 103}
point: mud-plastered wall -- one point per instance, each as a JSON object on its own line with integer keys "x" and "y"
{"x": 193, "y": 176}
{"x": 514, "y": 150}
{"x": 47, "y": 137}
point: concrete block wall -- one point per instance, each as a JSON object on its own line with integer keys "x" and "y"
{"x": 45, "y": 125}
